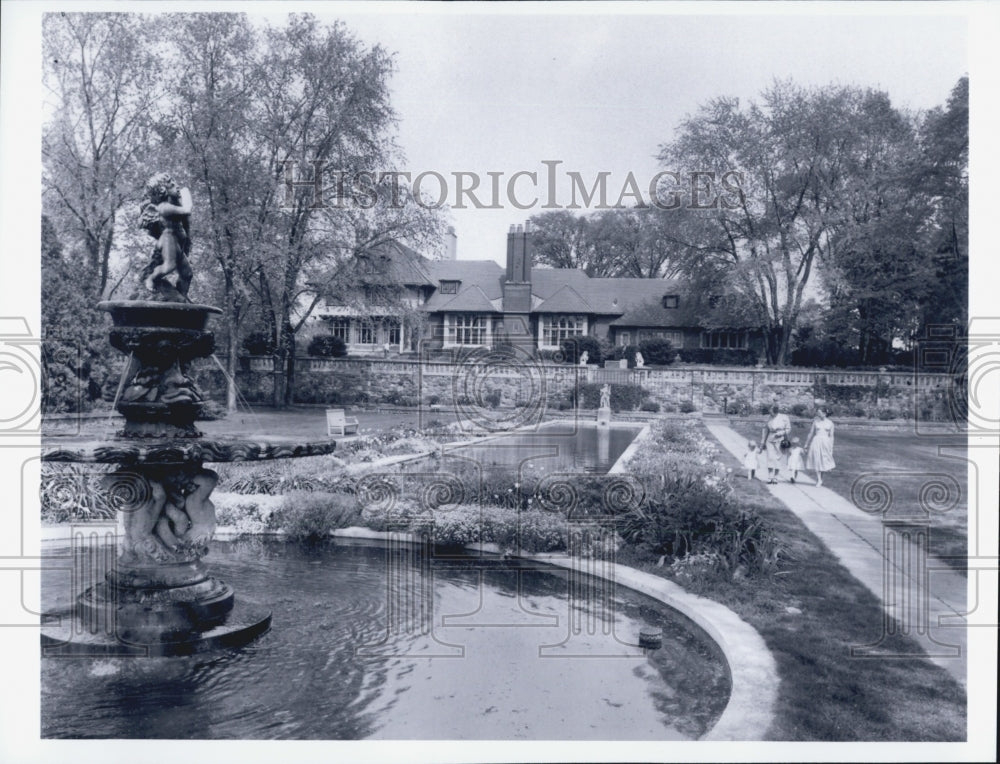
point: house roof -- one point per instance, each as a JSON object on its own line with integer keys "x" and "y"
{"x": 485, "y": 274}
{"x": 395, "y": 263}
{"x": 630, "y": 301}
{"x": 565, "y": 300}
{"x": 471, "y": 300}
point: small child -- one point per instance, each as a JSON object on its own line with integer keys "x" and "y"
{"x": 795, "y": 461}
{"x": 751, "y": 459}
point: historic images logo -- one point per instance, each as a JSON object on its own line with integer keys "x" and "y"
{"x": 548, "y": 189}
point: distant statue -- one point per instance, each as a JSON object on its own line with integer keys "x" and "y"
{"x": 584, "y": 358}
{"x": 166, "y": 217}
{"x": 606, "y": 397}
{"x": 640, "y": 362}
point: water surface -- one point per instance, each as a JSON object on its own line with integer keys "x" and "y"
{"x": 391, "y": 642}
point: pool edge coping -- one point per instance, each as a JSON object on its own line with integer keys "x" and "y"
{"x": 752, "y": 668}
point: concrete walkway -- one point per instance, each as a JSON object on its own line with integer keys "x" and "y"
{"x": 922, "y": 597}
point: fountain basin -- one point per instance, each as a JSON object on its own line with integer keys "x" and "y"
{"x": 150, "y": 313}
{"x": 465, "y": 648}
{"x": 57, "y": 448}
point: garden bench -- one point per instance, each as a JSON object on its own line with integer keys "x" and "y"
{"x": 337, "y": 423}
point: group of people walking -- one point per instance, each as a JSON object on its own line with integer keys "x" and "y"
{"x": 783, "y": 452}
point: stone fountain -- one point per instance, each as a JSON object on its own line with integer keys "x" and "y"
{"x": 159, "y": 598}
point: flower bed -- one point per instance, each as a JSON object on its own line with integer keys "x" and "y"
{"x": 673, "y": 502}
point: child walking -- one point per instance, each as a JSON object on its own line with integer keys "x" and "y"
{"x": 751, "y": 459}
{"x": 795, "y": 459}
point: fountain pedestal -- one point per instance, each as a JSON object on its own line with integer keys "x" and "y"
{"x": 159, "y": 598}
{"x": 604, "y": 416}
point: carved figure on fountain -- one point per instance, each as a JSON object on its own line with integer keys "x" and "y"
{"x": 165, "y": 512}
{"x": 166, "y": 217}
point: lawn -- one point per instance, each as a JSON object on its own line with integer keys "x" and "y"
{"x": 305, "y": 422}
{"x": 905, "y": 463}
{"x": 825, "y": 694}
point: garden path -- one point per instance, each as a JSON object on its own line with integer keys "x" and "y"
{"x": 920, "y": 594}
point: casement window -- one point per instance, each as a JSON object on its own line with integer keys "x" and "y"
{"x": 341, "y": 327}
{"x": 366, "y": 333}
{"x": 724, "y": 340}
{"x": 392, "y": 332}
{"x": 676, "y": 338}
{"x": 555, "y": 329}
{"x": 449, "y": 287}
{"x": 466, "y": 329}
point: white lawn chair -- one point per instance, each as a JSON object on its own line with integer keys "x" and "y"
{"x": 339, "y": 424}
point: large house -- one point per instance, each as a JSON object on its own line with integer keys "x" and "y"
{"x": 403, "y": 299}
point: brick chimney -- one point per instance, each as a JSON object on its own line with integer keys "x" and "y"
{"x": 451, "y": 244}
{"x": 517, "y": 285}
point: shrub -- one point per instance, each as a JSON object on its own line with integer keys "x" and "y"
{"x": 687, "y": 407}
{"x": 551, "y": 356}
{"x": 740, "y": 406}
{"x": 345, "y": 388}
{"x": 623, "y": 397}
{"x": 801, "y": 409}
{"x": 657, "y": 352}
{"x": 684, "y": 516}
{"x": 312, "y": 515}
{"x": 259, "y": 343}
{"x": 492, "y": 398}
{"x": 247, "y": 514}
{"x": 572, "y": 349}
{"x": 211, "y": 411}
{"x": 327, "y": 346}
{"x": 510, "y": 528}
{"x": 651, "y": 406}
{"x": 721, "y": 356}
{"x": 627, "y": 352}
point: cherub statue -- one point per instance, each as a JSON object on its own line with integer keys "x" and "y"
{"x": 606, "y": 397}
{"x": 584, "y": 358}
{"x": 166, "y": 217}
{"x": 640, "y": 362}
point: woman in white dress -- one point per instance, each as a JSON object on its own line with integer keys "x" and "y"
{"x": 774, "y": 432}
{"x": 819, "y": 446}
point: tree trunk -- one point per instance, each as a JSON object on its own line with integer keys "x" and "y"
{"x": 231, "y": 371}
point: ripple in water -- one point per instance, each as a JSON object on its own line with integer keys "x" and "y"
{"x": 452, "y": 649}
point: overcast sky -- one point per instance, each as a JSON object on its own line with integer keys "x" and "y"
{"x": 501, "y": 91}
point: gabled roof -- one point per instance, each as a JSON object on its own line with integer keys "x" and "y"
{"x": 628, "y": 301}
{"x": 485, "y": 274}
{"x": 470, "y": 300}
{"x": 566, "y": 300}
{"x": 391, "y": 263}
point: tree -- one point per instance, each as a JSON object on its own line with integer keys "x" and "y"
{"x": 943, "y": 176}
{"x": 875, "y": 270}
{"x": 100, "y": 75}
{"x": 619, "y": 242}
{"x": 249, "y": 103}
{"x": 323, "y": 102}
{"x": 561, "y": 239}
{"x": 214, "y": 76}
{"x": 793, "y": 152}
{"x": 75, "y": 353}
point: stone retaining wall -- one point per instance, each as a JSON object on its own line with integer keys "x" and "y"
{"x": 523, "y": 382}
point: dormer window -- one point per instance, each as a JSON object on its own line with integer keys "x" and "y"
{"x": 449, "y": 287}
{"x": 671, "y": 300}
